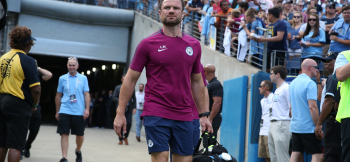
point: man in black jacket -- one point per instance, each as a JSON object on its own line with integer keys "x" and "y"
{"x": 128, "y": 112}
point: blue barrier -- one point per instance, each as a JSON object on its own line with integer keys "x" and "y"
{"x": 233, "y": 125}
{"x": 255, "y": 116}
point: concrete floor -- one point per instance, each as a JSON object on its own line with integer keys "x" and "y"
{"x": 100, "y": 145}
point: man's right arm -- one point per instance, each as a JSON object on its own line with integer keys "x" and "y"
{"x": 127, "y": 90}
{"x": 329, "y": 27}
{"x": 313, "y": 111}
{"x": 277, "y": 38}
{"x": 58, "y": 103}
{"x": 46, "y": 74}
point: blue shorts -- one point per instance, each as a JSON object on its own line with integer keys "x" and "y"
{"x": 162, "y": 133}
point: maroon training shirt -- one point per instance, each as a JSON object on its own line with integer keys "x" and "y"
{"x": 169, "y": 62}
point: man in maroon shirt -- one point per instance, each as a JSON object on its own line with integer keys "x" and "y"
{"x": 172, "y": 62}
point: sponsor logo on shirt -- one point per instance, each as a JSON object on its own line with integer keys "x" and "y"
{"x": 189, "y": 51}
{"x": 162, "y": 48}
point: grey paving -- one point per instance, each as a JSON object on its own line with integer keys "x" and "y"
{"x": 100, "y": 145}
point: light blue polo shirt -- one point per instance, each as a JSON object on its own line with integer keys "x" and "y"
{"x": 343, "y": 29}
{"x": 76, "y": 108}
{"x": 301, "y": 90}
{"x": 320, "y": 38}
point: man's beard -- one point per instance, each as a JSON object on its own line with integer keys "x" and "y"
{"x": 173, "y": 23}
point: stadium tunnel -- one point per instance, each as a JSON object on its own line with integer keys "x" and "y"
{"x": 99, "y": 80}
{"x": 97, "y": 36}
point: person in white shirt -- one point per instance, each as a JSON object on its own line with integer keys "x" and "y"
{"x": 279, "y": 135}
{"x": 265, "y": 89}
{"x": 140, "y": 99}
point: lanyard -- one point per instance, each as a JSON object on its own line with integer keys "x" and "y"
{"x": 344, "y": 28}
{"x": 76, "y": 84}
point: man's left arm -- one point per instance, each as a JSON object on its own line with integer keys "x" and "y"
{"x": 86, "y": 98}
{"x": 197, "y": 87}
{"x": 198, "y": 92}
{"x": 87, "y": 104}
{"x": 319, "y": 86}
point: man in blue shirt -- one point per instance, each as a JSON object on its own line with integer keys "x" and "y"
{"x": 341, "y": 40}
{"x": 72, "y": 107}
{"x": 305, "y": 114}
{"x": 276, "y": 36}
{"x": 329, "y": 18}
{"x": 286, "y": 10}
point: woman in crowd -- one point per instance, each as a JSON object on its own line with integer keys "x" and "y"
{"x": 313, "y": 40}
{"x": 294, "y": 46}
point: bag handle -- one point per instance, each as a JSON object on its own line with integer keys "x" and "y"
{"x": 204, "y": 138}
{"x": 4, "y": 74}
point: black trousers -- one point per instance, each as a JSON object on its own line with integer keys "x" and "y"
{"x": 332, "y": 140}
{"x": 34, "y": 127}
{"x": 345, "y": 133}
{"x": 101, "y": 117}
{"x": 216, "y": 125}
{"x": 128, "y": 116}
{"x": 109, "y": 119}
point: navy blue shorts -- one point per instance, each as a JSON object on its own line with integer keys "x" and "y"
{"x": 162, "y": 133}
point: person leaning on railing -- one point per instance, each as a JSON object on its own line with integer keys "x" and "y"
{"x": 339, "y": 33}
{"x": 313, "y": 39}
{"x": 226, "y": 10}
{"x": 255, "y": 47}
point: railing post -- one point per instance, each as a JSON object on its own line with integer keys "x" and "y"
{"x": 265, "y": 55}
{"x": 192, "y": 23}
{"x": 221, "y": 39}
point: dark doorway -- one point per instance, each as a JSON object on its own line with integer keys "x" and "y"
{"x": 99, "y": 80}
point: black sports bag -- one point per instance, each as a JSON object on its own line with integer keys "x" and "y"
{"x": 213, "y": 153}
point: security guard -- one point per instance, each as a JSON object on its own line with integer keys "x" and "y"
{"x": 19, "y": 93}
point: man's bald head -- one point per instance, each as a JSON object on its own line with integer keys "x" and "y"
{"x": 209, "y": 68}
{"x": 309, "y": 67}
{"x": 307, "y": 62}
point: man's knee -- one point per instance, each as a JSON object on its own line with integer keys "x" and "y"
{"x": 317, "y": 157}
{"x": 160, "y": 156}
{"x": 181, "y": 158}
{"x": 64, "y": 136}
{"x": 296, "y": 154}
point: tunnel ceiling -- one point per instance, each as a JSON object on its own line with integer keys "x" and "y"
{"x": 67, "y": 29}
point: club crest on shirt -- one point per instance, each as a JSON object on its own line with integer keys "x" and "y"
{"x": 189, "y": 51}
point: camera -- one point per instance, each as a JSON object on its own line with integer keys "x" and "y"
{"x": 334, "y": 33}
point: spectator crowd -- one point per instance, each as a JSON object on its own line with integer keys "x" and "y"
{"x": 292, "y": 29}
